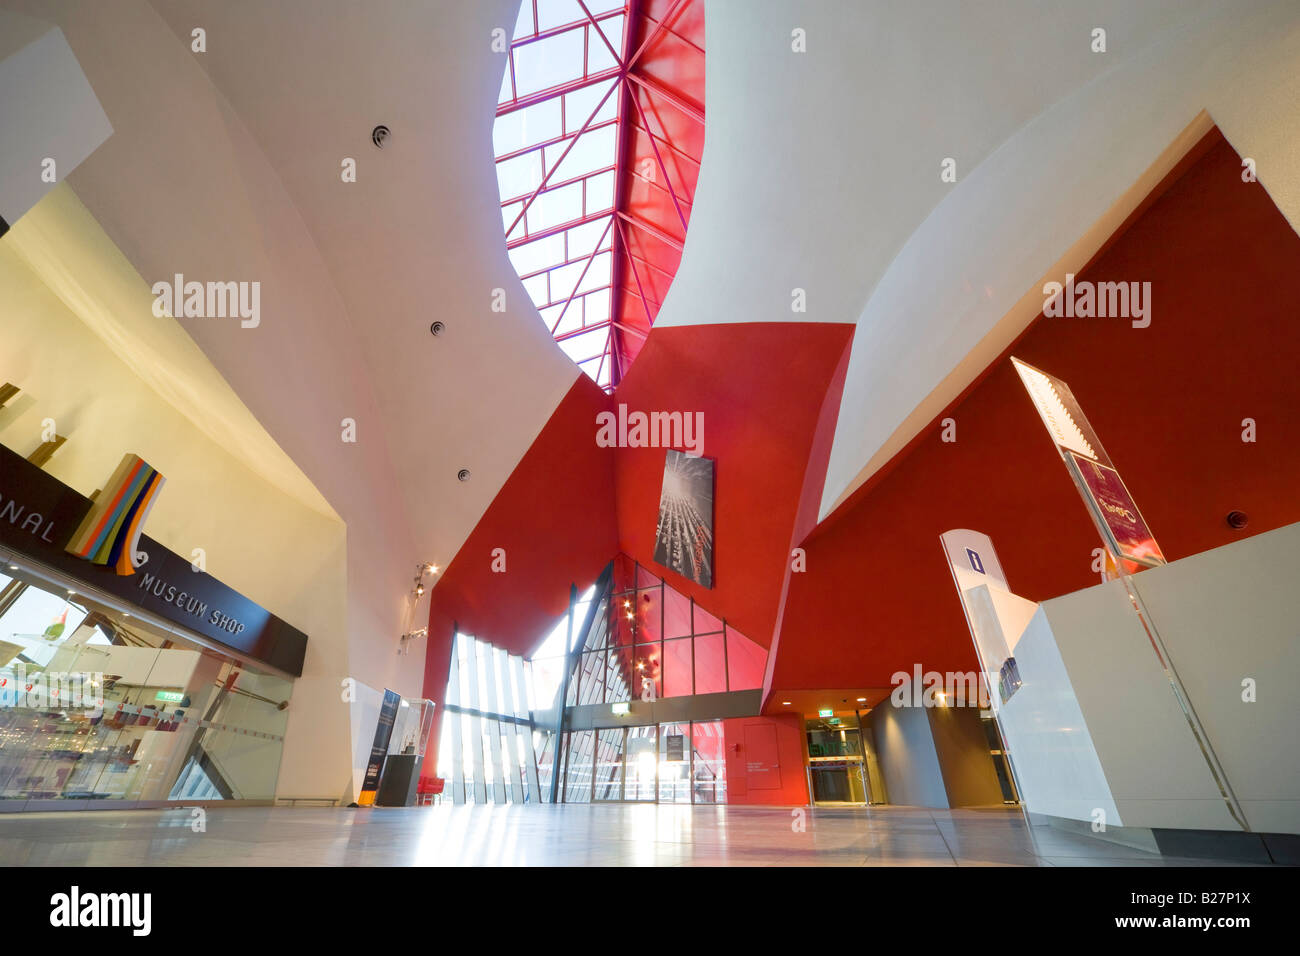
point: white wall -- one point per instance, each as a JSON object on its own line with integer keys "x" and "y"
{"x": 1228, "y": 615}
{"x": 182, "y": 186}
{"x": 907, "y": 756}
{"x": 260, "y": 539}
{"x": 1045, "y": 731}
{"x": 1097, "y": 723}
{"x": 48, "y": 110}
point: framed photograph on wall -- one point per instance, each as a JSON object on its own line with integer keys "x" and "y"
{"x": 684, "y": 540}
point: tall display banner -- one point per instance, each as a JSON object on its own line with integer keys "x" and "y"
{"x": 1128, "y": 540}
{"x": 379, "y": 751}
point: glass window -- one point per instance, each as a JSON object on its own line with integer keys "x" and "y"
{"x": 101, "y": 705}
{"x": 709, "y": 762}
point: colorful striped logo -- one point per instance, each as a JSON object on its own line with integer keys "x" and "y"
{"x": 110, "y": 532}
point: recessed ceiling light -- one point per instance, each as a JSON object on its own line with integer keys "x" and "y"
{"x": 463, "y": 474}
{"x": 786, "y": 703}
{"x": 862, "y": 700}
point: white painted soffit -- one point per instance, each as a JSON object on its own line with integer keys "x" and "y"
{"x": 48, "y": 112}
{"x": 818, "y": 166}
{"x": 417, "y": 238}
{"x": 969, "y": 280}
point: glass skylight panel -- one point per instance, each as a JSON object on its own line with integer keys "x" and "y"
{"x": 578, "y": 106}
{"x": 585, "y": 345}
{"x": 555, "y": 207}
{"x": 599, "y": 56}
{"x": 537, "y": 255}
{"x": 591, "y": 151}
{"x": 596, "y": 305}
{"x": 555, "y": 182}
{"x": 598, "y": 275}
{"x": 569, "y": 320}
{"x": 529, "y": 126}
{"x": 566, "y": 277}
{"x": 583, "y": 239}
{"x": 507, "y": 88}
{"x": 537, "y": 287}
{"x": 510, "y": 212}
{"x": 520, "y": 176}
{"x": 600, "y": 191}
{"x": 557, "y": 13}
{"x": 546, "y": 63}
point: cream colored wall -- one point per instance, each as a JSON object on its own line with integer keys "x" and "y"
{"x": 284, "y": 554}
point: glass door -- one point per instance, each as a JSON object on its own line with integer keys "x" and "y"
{"x": 642, "y": 767}
{"x": 611, "y": 745}
{"x": 835, "y": 762}
{"x": 674, "y": 763}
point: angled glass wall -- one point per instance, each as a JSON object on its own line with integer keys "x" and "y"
{"x": 488, "y": 751}
{"x": 653, "y": 642}
{"x": 638, "y": 639}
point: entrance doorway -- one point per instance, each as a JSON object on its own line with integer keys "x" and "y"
{"x": 682, "y": 762}
{"x": 838, "y": 771}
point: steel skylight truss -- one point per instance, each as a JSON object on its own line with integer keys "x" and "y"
{"x": 576, "y": 101}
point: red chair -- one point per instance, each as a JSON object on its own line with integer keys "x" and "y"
{"x": 429, "y": 791}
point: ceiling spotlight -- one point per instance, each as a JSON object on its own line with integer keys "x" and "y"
{"x": 1237, "y": 520}
{"x": 437, "y": 328}
{"x": 862, "y": 700}
{"x": 463, "y": 474}
{"x": 379, "y": 135}
{"x": 785, "y": 703}
{"x": 419, "y": 589}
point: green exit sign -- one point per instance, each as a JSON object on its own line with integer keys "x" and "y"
{"x": 825, "y": 712}
{"x": 171, "y": 696}
{"x": 834, "y": 721}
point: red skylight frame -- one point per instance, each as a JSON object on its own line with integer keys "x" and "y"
{"x": 654, "y": 74}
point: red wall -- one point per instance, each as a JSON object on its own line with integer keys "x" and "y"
{"x": 1167, "y": 401}
{"x": 760, "y": 387}
{"x": 555, "y": 519}
{"x": 761, "y": 752}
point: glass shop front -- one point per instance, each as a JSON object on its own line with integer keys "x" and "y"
{"x": 103, "y": 704}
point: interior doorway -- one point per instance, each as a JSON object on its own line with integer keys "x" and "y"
{"x": 838, "y": 769}
{"x": 681, "y": 762}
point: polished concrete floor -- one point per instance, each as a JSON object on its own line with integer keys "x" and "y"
{"x": 573, "y": 834}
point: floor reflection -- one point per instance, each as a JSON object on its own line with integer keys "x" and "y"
{"x": 564, "y": 835}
